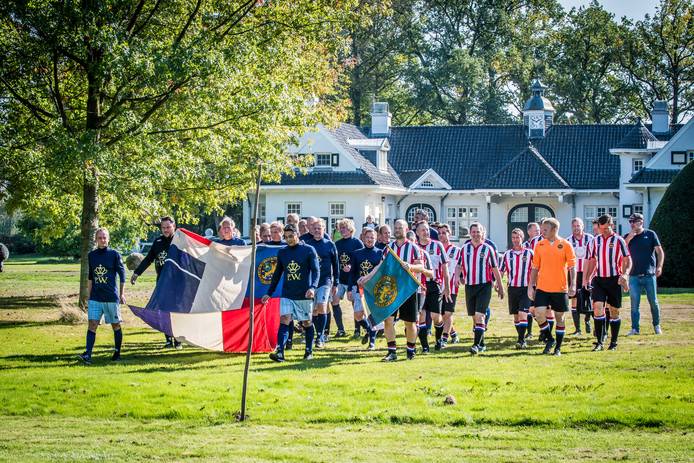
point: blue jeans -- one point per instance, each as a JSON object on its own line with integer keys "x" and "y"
{"x": 636, "y": 283}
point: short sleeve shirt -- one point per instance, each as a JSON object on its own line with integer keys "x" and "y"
{"x": 552, "y": 261}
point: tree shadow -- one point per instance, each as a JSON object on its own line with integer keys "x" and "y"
{"x": 27, "y": 302}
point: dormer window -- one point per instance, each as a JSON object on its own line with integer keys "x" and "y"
{"x": 327, "y": 160}
{"x": 426, "y": 184}
{"x": 637, "y": 165}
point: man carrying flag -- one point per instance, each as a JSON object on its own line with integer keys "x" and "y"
{"x": 363, "y": 261}
{"x": 299, "y": 263}
{"x": 410, "y": 259}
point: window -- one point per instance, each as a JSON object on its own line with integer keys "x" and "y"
{"x": 426, "y": 184}
{"x": 261, "y": 213}
{"x": 637, "y": 209}
{"x": 690, "y": 156}
{"x": 409, "y": 215}
{"x": 593, "y": 212}
{"x": 293, "y": 208}
{"x": 323, "y": 159}
{"x": 459, "y": 219}
{"x": 679, "y": 157}
{"x": 637, "y": 165}
{"x": 337, "y": 213}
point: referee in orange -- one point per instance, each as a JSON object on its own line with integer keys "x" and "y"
{"x": 554, "y": 257}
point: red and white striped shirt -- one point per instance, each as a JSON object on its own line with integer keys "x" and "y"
{"x": 608, "y": 254}
{"x": 581, "y": 247}
{"x": 438, "y": 258}
{"x": 518, "y": 265}
{"x": 530, "y": 244}
{"x": 478, "y": 263}
{"x": 455, "y": 259}
{"x": 408, "y": 252}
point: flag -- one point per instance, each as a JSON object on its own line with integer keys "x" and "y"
{"x": 202, "y": 296}
{"x": 390, "y": 286}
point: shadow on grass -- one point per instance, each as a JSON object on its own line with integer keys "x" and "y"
{"x": 28, "y": 302}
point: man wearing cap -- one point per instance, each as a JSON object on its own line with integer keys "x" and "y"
{"x": 647, "y": 258}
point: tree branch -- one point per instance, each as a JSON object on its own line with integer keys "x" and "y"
{"x": 187, "y": 24}
{"x": 57, "y": 96}
{"x": 37, "y": 111}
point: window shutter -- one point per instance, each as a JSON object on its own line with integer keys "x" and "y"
{"x": 335, "y": 160}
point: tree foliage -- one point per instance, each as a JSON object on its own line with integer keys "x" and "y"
{"x": 675, "y": 215}
{"x": 115, "y": 112}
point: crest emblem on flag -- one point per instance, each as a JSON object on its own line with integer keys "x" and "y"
{"x": 385, "y": 291}
{"x": 266, "y": 268}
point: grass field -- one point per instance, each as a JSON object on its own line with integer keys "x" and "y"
{"x": 635, "y": 404}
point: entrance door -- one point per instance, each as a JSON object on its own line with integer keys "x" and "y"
{"x": 521, "y": 215}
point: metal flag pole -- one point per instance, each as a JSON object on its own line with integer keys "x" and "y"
{"x": 251, "y": 304}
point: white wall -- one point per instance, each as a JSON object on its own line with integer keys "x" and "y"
{"x": 684, "y": 142}
{"x": 320, "y": 142}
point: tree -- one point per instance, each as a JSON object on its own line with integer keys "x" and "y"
{"x": 114, "y": 112}
{"x": 658, "y": 56}
{"x": 584, "y": 71}
{"x": 674, "y": 215}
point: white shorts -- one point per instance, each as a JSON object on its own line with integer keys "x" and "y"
{"x": 322, "y": 294}
{"x": 341, "y": 290}
{"x": 109, "y": 310}
{"x": 299, "y": 309}
{"x": 356, "y": 297}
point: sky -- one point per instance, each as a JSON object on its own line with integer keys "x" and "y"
{"x": 633, "y": 9}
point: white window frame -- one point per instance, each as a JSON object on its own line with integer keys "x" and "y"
{"x": 292, "y": 204}
{"x": 634, "y": 163}
{"x": 329, "y": 157}
{"x": 637, "y": 208}
{"x": 334, "y": 217}
{"x": 591, "y": 212}
{"x": 458, "y": 216}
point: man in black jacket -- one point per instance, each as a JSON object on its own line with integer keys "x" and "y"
{"x": 158, "y": 254}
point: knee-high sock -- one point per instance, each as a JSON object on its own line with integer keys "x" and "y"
{"x": 118, "y": 338}
{"x": 615, "y": 324}
{"x": 479, "y": 334}
{"x": 577, "y": 319}
{"x": 326, "y": 330}
{"x": 487, "y": 316}
{"x": 291, "y": 331}
{"x": 438, "y": 331}
{"x": 428, "y": 321}
{"x": 319, "y": 322}
{"x": 337, "y": 315}
{"x": 520, "y": 329}
{"x": 310, "y": 332}
{"x": 545, "y": 331}
{"x": 365, "y": 324}
{"x": 423, "y": 335}
{"x": 530, "y": 324}
{"x": 561, "y": 329}
{"x": 91, "y": 339}
{"x": 392, "y": 347}
{"x": 356, "y": 327}
{"x": 599, "y": 328}
{"x": 550, "y": 320}
{"x": 282, "y": 336}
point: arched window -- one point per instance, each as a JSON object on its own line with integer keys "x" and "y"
{"x": 412, "y": 210}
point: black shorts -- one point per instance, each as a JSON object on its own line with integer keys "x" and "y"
{"x": 450, "y": 306}
{"x": 409, "y": 310}
{"x": 477, "y": 298}
{"x": 559, "y": 302}
{"x": 607, "y": 289}
{"x": 518, "y": 300}
{"x": 433, "y": 298}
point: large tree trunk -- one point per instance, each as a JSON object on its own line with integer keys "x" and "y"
{"x": 88, "y": 226}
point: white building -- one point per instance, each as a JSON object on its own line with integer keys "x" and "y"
{"x": 501, "y": 175}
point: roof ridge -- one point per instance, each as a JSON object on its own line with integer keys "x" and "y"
{"x": 549, "y": 166}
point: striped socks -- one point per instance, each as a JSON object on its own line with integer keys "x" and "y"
{"x": 423, "y": 335}
{"x": 439, "y": 331}
{"x": 479, "y": 333}
{"x": 561, "y": 329}
{"x": 520, "y": 329}
{"x": 599, "y": 328}
{"x": 391, "y": 347}
{"x": 615, "y": 323}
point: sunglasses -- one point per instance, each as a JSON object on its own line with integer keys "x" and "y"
{"x": 636, "y": 221}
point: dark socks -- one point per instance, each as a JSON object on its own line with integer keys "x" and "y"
{"x": 577, "y": 319}
{"x": 410, "y": 346}
{"x": 310, "y": 332}
{"x": 479, "y": 333}
{"x": 599, "y": 328}
{"x": 391, "y": 346}
{"x": 291, "y": 331}
{"x": 356, "y": 327}
{"x": 530, "y": 325}
{"x": 545, "y": 328}
{"x": 337, "y": 315}
{"x": 282, "y": 336}
{"x": 365, "y": 324}
{"x": 91, "y": 338}
{"x": 560, "y": 335}
{"x": 118, "y": 339}
{"x": 319, "y": 322}
{"x": 487, "y": 316}
{"x": 439, "y": 331}
{"x": 614, "y": 328}
{"x": 423, "y": 336}
{"x": 328, "y": 318}
{"x": 520, "y": 329}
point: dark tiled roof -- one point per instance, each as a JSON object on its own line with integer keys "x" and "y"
{"x": 467, "y": 157}
{"x": 527, "y": 170}
{"x": 674, "y": 128}
{"x": 346, "y": 131}
{"x": 654, "y": 176}
{"x": 408, "y": 177}
{"x": 637, "y": 138}
{"x": 327, "y": 178}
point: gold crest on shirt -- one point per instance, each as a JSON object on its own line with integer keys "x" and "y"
{"x": 100, "y": 274}
{"x": 293, "y": 271}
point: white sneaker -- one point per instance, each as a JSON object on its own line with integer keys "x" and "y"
{"x": 658, "y": 330}
{"x": 633, "y": 333}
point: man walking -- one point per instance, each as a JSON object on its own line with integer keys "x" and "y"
{"x": 647, "y": 257}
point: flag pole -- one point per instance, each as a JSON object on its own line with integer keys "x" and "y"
{"x": 251, "y": 303}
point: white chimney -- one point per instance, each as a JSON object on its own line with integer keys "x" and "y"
{"x": 380, "y": 119}
{"x": 660, "y": 117}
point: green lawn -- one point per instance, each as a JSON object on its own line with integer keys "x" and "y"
{"x": 635, "y": 404}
